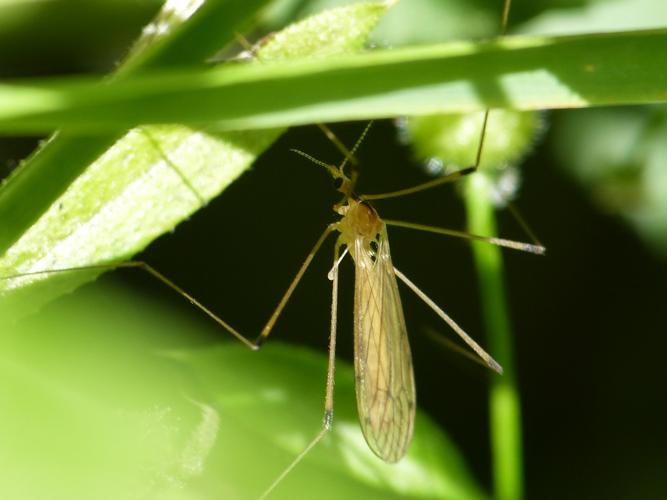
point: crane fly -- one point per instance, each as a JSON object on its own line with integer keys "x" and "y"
{"x": 385, "y": 386}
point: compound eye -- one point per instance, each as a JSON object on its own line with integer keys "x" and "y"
{"x": 338, "y": 182}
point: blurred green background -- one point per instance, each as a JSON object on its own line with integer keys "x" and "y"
{"x": 588, "y": 317}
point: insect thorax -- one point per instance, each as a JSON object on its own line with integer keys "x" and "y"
{"x": 360, "y": 221}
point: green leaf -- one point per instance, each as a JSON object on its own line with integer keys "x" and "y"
{"x": 515, "y": 72}
{"x": 38, "y": 182}
{"x": 152, "y": 178}
{"x": 108, "y": 396}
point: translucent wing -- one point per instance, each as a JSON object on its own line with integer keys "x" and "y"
{"x": 385, "y": 381}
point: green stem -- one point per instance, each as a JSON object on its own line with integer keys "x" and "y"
{"x": 504, "y": 401}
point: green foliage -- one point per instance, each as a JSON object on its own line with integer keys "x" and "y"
{"x": 37, "y": 184}
{"x": 147, "y": 182}
{"x": 532, "y": 72}
{"x": 135, "y": 401}
{"x": 203, "y": 422}
{"x": 88, "y": 394}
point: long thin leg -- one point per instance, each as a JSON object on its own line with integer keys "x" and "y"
{"x": 281, "y": 305}
{"x": 516, "y": 245}
{"x": 327, "y": 421}
{"x": 254, "y": 345}
{"x": 490, "y": 362}
{"x": 522, "y": 222}
{"x": 453, "y": 346}
{"x": 421, "y": 187}
{"x": 445, "y": 179}
{"x": 480, "y": 145}
{"x": 537, "y": 247}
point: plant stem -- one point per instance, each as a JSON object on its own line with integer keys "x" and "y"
{"x": 504, "y": 401}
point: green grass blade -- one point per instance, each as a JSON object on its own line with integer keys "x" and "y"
{"x": 516, "y": 72}
{"x": 504, "y": 398}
